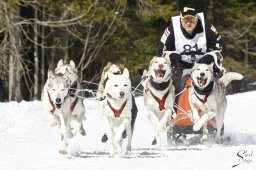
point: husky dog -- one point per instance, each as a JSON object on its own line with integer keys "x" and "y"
{"x": 56, "y": 105}
{"x": 113, "y": 68}
{"x": 117, "y": 110}
{"x": 77, "y": 106}
{"x": 159, "y": 95}
{"x": 209, "y": 94}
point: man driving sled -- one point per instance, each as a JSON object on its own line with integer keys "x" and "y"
{"x": 188, "y": 39}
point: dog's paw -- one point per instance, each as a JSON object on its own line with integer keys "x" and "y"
{"x": 204, "y": 139}
{"x": 197, "y": 127}
{"x": 70, "y": 134}
{"x": 218, "y": 140}
{"x": 111, "y": 153}
{"x": 63, "y": 152}
{"x": 128, "y": 148}
{"x": 117, "y": 142}
{"x": 82, "y": 132}
{"x": 53, "y": 122}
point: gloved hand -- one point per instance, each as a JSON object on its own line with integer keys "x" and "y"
{"x": 174, "y": 57}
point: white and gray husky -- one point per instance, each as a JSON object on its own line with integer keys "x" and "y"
{"x": 56, "y": 105}
{"x": 117, "y": 110}
{"x": 159, "y": 95}
{"x": 59, "y": 107}
{"x": 209, "y": 94}
{"x": 77, "y": 104}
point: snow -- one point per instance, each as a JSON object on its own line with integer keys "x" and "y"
{"x": 27, "y": 142}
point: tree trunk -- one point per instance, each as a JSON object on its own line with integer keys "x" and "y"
{"x": 36, "y": 61}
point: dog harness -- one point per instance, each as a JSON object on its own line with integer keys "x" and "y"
{"x": 73, "y": 104}
{"x": 159, "y": 86}
{"x": 206, "y": 92}
{"x": 53, "y": 105}
{"x": 117, "y": 113}
{"x": 161, "y": 102}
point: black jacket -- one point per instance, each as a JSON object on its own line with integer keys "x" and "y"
{"x": 213, "y": 39}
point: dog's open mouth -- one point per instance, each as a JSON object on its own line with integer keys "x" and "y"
{"x": 201, "y": 81}
{"x": 58, "y": 105}
{"x": 159, "y": 74}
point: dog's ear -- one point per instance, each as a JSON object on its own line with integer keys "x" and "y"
{"x": 60, "y": 63}
{"x": 126, "y": 72}
{"x": 150, "y": 64}
{"x": 153, "y": 60}
{"x": 166, "y": 55}
{"x": 195, "y": 66}
{"x": 211, "y": 65}
{"x": 65, "y": 75}
{"x": 121, "y": 67}
{"x": 105, "y": 69}
{"x": 109, "y": 75}
{"x": 50, "y": 74}
{"x": 72, "y": 63}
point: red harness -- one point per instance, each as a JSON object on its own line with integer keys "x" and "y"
{"x": 72, "y": 105}
{"x": 117, "y": 113}
{"x": 204, "y": 100}
{"x": 53, "y": 105}
{"x": 161, "y": 102}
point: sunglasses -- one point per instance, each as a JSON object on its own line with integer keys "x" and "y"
{"x": 189, "y": 18}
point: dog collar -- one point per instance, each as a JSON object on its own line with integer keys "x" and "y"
{"x": 206, "y": 91}
{"x": 159, "y": 86}
{"x": 118, "y": 112}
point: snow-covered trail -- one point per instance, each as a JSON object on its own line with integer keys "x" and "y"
{"x": 27, "y": 142}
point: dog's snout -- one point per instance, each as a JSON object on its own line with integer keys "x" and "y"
{"x": 121, "y": 93}
{"x": 202, "y": 74}
{"x": 58, "y": 100}
{"x": 160, "y": 66}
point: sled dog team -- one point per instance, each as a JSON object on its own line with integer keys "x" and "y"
{"x": 117, "y": 105}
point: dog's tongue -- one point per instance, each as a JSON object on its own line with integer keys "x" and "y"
{"x": 159, "y": 74}
{"x": 201, "y": 82}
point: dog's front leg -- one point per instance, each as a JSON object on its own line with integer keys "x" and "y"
{"x": 164, "y": 119}
{"x": 195, "y": 114}
{"x": 211, "y": 106}
{"x": 109, "y": 132}
{"x": 119, "y": 131}
{"x": 205, "y": 133}
{"x": 203, "y": 120}
{"x": 79, "y": 111}
{"x": 194, "y": 110}
{"x": 64, "y": 139}
{"x": 52, "y": 119}
{"x": 155, "y": 124}
{"x": 220, "y": 120}
{"x": 129, "y": 136}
